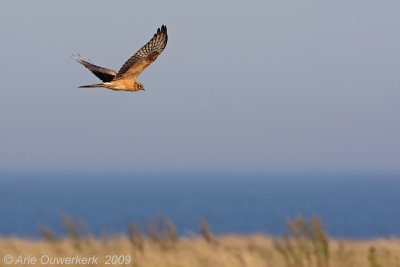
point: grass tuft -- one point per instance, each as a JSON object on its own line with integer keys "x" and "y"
{"x": 306, "y": 244}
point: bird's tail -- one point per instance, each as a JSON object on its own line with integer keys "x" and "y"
{"x": 92, "y": 85}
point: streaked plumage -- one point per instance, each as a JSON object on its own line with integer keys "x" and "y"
{"x": 125, "y": 78}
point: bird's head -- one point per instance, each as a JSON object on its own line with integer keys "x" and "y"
{"x": 140, "y": 86}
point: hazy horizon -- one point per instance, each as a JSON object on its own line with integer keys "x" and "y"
{"x": 354, "y": 207}
{"x": 262, "y": 86}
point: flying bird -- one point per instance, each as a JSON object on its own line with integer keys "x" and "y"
{"x": 125, "y": 78}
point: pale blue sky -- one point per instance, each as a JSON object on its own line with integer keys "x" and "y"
{"x": 263, "y": 86}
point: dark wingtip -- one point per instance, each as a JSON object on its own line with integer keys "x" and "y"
{"x": 162, "y": 29}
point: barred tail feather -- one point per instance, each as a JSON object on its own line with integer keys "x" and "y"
{"x": 92, "y": 85}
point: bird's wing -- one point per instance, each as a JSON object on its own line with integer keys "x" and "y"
{"x": 145, "y": 56}
{"x": 106, "y": 75}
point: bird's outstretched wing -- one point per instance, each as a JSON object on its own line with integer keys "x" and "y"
{"x": 145, "y": 56}
{"x": 106, "y": 75}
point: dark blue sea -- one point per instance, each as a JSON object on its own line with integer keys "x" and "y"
{"x": 352, "y": 206}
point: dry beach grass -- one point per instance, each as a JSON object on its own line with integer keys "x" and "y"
{"x": 306, "y": 245}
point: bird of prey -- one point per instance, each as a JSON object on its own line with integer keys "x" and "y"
{"x": 125, "y": 78}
